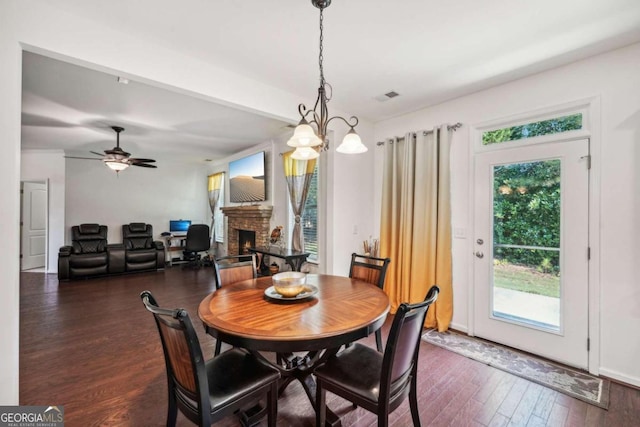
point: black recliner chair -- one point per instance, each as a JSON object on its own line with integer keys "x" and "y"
{"x": 89, "y": 254}
{"x": 141, "y": 251}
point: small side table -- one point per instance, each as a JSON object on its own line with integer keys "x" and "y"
{"x": 293, "y": 258}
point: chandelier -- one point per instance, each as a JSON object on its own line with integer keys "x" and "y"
{"x": 309, "y": 142}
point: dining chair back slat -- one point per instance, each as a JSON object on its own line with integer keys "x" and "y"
{"x": 231, "y": 269}
{"x": 177, "y": 349}
{"x": 368, "y": 268}
{"x": 234, "y": 268}
{"x": 372, "y": 270}
{"x": 366, "y": 273}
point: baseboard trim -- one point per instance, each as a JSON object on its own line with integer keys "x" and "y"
{"x": 620, "y": 378}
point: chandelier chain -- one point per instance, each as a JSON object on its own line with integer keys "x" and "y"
{"x": 320, "y": 57}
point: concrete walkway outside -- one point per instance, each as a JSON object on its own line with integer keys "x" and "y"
{"x": 537, "y": 308}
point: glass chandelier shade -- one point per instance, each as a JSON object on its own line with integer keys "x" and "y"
{"x": 116, "y": 165}
{"x": 351, "y": 144}
{"x": 304, "y": 136}
{"x": 305, "y": 153}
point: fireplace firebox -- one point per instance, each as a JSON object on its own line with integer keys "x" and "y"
{"x": 246, "y": 240}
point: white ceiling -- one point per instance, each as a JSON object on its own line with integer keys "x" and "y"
{"x": 65, "y": 106}
{"x": 428, "y": 51}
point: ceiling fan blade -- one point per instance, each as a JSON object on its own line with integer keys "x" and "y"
{"x": 97, "y": 154}
{"x": 118, "y": 152}
{"x": 83, "y": 158}
{"x": 142, "y": 160}
{"x": 144, "y": 165}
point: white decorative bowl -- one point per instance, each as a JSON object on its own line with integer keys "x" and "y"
{"x": 289, "y": 283}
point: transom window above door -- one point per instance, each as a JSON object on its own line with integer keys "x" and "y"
{"x": 532, "y": 129}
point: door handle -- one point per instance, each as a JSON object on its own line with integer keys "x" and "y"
{"x": 479, "y": 254}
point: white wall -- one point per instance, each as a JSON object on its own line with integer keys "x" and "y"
{"x": 10, "y": 88}
{"x": 613, "y": 79}
{"x": 49, "y": 166}
{"x": 95, "y": 194}
{"x": 351, "y": 210}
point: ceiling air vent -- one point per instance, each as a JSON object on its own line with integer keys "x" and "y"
{"x": 387, "y": 96}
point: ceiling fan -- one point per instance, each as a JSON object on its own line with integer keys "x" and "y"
{"x": 117, "y": 159}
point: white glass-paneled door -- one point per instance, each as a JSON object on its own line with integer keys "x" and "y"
{"x": 531, "y": 248}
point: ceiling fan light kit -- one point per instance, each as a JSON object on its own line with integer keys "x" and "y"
{"x": 308, "y": 142}
{"x": 117, "y": 159}
{"x": 116, "y": 165}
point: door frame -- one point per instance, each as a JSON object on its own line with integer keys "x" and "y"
{"x": 590, "y": 109}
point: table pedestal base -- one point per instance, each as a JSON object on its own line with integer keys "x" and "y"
{"x": 293, "y": 367}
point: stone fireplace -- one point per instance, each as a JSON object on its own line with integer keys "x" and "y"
{"x": 256, "y": 218}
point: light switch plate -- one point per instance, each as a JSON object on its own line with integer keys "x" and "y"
{"x": 460, "y": 233}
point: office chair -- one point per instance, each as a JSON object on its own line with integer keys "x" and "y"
{"x": 378, "y": 382}
{"x": 197, "y": 240}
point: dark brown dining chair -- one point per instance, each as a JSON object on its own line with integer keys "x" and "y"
{"x": 206, "y": 392}
{"x": 373, "y": 270}
{"x": 231, "y": 269}
{"x": 378, "y": 382}
{"x": 234, "y": 268}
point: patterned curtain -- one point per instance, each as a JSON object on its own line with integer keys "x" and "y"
{"x": 215, "y": 183}
{"x": 298, "y": 174}
{"x": 416, "y": 221}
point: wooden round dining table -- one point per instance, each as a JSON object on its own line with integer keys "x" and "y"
{"x": 343, "y": 310}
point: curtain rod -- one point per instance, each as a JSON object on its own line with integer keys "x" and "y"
{"x": 452, "y": 127}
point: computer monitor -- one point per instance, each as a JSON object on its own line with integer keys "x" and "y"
{"x": 179, "y": 226}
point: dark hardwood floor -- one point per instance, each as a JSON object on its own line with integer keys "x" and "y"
{"x": 92, "y": 347}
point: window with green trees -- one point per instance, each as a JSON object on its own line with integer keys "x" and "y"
{"x": 529, "y": 130}
{"x": 526, "y": 225}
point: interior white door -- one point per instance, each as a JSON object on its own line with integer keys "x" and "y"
{"x": 526, "y": 295}
{"x": 34, "y": 225}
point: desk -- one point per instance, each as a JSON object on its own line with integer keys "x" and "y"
{"x": 293, "y": 258}
{"x": 344, "y": 310}
{"x": 173, "y": 244}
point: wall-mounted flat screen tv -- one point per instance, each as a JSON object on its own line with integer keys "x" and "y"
{"x": 247, "y": 179}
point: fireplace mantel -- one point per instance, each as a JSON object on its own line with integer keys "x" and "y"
{"x": 253, "y": 218}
